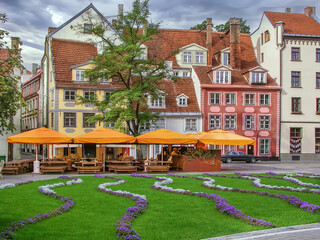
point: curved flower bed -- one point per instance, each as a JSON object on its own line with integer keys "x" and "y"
{"x": 12, "y": 185}
{"x": 47, "y": 190}
{"x": 123, "y": 226}
{"x": 257, "y": 183}
{"x": 288, "y": 198}
{"x": 221, "y": 204}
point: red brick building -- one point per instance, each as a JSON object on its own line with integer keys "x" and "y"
{"x": 237, "y": 94}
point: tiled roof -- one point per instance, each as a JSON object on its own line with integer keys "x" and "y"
{"x": 174, "y": 89}
{"x": 295, "y": 23}
{"x": 37, "y": 75}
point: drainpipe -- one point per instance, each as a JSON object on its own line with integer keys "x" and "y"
{"x": 280, "y": 75}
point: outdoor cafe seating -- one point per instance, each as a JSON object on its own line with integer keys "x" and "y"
{"x": 126, "y": 164}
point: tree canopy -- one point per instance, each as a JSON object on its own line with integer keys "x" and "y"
{"x": 10, "y": 95}
{"x": 126, "y": 63}
{"x": 223, "y": 27}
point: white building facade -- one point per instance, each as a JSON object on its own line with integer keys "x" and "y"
{"x": 288, "y": 46}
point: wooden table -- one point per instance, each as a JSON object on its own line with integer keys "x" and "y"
{"x": 121, "y": 166}
{"x": 53, "y": 166}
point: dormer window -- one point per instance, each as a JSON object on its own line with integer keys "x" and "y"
{"x": 199, "y": 57}
{"x": 226, "y": 59}
{"x": 158, "y": 102}
{"x": 80, "y": 75}
{"x": 187, "y": 56}
{"x": 182, "y": 100}
{"x": 222, "y": 77}
{"x": 87, "y": 28}
{"x": 258, "y": 78}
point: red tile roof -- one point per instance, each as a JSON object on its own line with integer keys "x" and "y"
{"x": 174, "y": 89}
{"x": 37, "y": 75}
{"x": 4, "y": 54}
{"x": 295, "y": 23}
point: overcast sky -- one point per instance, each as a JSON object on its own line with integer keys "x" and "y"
{"x": 30, "y": 19}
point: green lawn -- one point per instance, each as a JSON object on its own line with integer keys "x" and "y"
{"x": 169, "y": 215}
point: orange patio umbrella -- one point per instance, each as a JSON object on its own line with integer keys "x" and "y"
{"x": 220, "y": 137}
{"x": 164, "y": 136}
{"x": 104, "y": 135}
{"x": 39, "y": 136}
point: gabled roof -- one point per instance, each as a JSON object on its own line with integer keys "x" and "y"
{"x": 37, "y": 75}
{"x": 295, "y": 23}
{"x": 54, "y": 30}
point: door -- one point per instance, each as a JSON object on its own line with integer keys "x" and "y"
{"x": 89, "y": 150}
{"x": 250, "y": 150}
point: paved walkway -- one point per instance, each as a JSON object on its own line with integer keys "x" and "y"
{"x": 301, "y": 232}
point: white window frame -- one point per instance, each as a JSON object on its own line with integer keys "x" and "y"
{"x": 67, "y": 97}
{"x": 264, "y": 122}
{"x": 157, "y": 103}
{"x": 222, "y": 77}
{"x": 68, "y": 120}
{"x": 226, "y": 58}
{"x": 79, "y": 75}
{"x": 88, "y": 93}
{"x": 199, "y": 57}
{"x": 263, "y": 101}
{"x": 258, "y": 77}
{"x": 190, "y": 124}
{"x": 187, "y": 56}
{"x": 215, "y": 121}
{"x": 264, "y": 146}
{"x": 250, "y": 122}
{"x": 231, "y": 100}
{"x": 230, "y": 121}
{"x": 182, "y": 102}
{"x": 85, "y": 118}
{"x": 249, "y": 101}
{"x": 214, "y": 100}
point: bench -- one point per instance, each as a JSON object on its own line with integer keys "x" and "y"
{"x": 10, "y": 170}
{"x": 127, "y": 168}
{"x": 53, "y": 169}
{"x": 90, "y": 169}
{"x": 157, "y": 168}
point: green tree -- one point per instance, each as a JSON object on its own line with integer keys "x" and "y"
{"x": 226, "y": 27}
{"x": 201, "y": 26}
{"x": 125, "y": 64}
{"x": 10, "y": 95}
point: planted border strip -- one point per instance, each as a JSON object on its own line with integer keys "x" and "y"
{"x": 12, "y": 185}
{"x": 257, "y": 183}
{"x": 123, "y": 226}
{"x": 293, "y": 200}
{"x": 46, "y": 190}
{"x": 221, "y": 204}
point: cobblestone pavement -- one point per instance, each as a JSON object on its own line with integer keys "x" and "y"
{"x": 301, "y": 232}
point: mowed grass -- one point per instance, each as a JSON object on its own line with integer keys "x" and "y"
{"x": 169, "y": 216}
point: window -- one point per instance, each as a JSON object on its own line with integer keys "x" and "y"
{"x": 318, "y": 54}
{"x": 318, "y": 80}
{"x": 264, "y": 99}
{"x": 317, "y": 140}
{"x": 85, "y": 120}
{"x": 262, "y": 57}
{"x": 215, "y": 98}
{"x": 264, "y": 146}
{"x": 318, "y": 105}
{"x": 295, "y": 79}
{"x": 69, "y": 120}
{"x": 226, "y": 59}
{"x": 230, "y": 98}
{"x": 230, "y": 122}
{"x": 52, "y": 120}
{"x": 295, "y": 140}
{"x": 159, "y": 123}
{"x": 261, "y": 38}
{"x": 222, "y": 77}
{"x": 191, "y": 124}
{"x": 249, "y": 122}
{"x": 80, "y": 75}
{"x": 185, "y": 74}
{"x": 187, "y": 57}
{"x": 87, "y": 28}
{"x": 295, "y": 105}
{"x": 145, "y": 127}
{"x": 199, "y": 57}
{"x": 266, "y": 36}
{"x": 295, "y": 54}
{"x": 182, "y": 102}
{"x": 89, "y": 95}
{"x": 109, "y": 124}
{"x": 258, "y": 77}
{"x": 229, "y": 148}
{"x": 157, "y": 103}
{"x": 264, "y": 122}
{"x": 69, "y": 95}
{"x": 249, "y": 99}
{"x": 215, "y": 121}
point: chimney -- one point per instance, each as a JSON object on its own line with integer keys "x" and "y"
{"x": 120, "y": 9}
{"x": 15, "y": 42}
{"x": 35, "y": 67}
{"x": 209, "y": 40}
{"x": 309, "y": 11}
{"x": 288, "y": 10}
{"x": 235, "y": 50}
